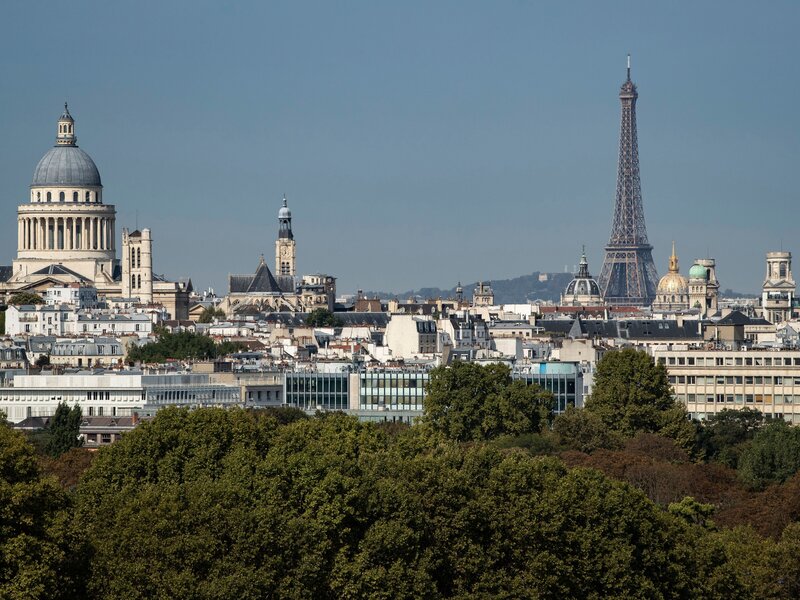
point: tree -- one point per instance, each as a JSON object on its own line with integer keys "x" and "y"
{"x": 210, "y": 313}
{"x": 181, "y": 346}
{"x": 64, "y": 430}
{"x": 43, "y": 360}
{"x": 692, "y": 511}
{"x": 467, "y": 401}
{"x": 322, "y": 317}
{"x": 584, "y": 431}
{"x": 23, "y": 298}
{"x": 632, "y": 394}
{"x": 724, "y": 434}
{"x": 234, "y": 504}
{"x": 772, "y": 457}
{"x": 41, "y": 555}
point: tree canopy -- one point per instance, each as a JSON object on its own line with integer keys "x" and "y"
{"x": 467, "y": 401}
{"x": 181, "y": 346}
{"x": 63, "y": 431}
{"x": 631, "y": 394}
{"x": 772, "y": 457}
{"x": 322, "y": 317}
{"x": 23, "y": 298}
{"x": 210, "y": 313}
{"x": 41, "y": 557}
{"x": 231, "y": 504}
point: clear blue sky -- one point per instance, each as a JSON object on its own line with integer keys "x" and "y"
{"x": 418, "y": 143}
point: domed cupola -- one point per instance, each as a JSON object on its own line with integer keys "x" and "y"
{"x": 65, "y": 165}
{"x": 698, "y": 272}
{"x": 285, "y": 221}
{"x": 673, "y": 289}
{"x": 583, "y": 289}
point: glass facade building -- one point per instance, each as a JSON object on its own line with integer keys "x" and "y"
{"x": 392, "y": 390}
{"x": 317, "y": 391}
{"x": 563, "y": 379}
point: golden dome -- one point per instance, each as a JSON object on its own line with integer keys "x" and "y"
{"x": 673, "y": 282}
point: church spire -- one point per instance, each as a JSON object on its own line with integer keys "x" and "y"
{"x": 66, "y": 129}
{"x": 673, "y": 260}
{"x": 285, "y": 221}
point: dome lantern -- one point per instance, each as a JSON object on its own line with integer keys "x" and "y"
{"x": 66, "y": 129}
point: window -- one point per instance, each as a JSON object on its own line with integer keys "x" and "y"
{"x": 49, "y": 196}
{"x": 88, "y": 196}
{"x": 61, "y": 196}
{"x": 74, "y": 196}
{"x": 106, "y": 438}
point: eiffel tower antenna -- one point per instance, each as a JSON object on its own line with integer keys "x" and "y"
{"x": 628, "y": 276}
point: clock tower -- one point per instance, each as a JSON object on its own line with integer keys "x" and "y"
{"x": 285, "y": 250}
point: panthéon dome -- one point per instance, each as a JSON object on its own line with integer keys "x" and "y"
{"x": 65, "y": 164}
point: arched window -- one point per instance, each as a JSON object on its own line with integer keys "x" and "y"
{"x": 88, "y": 196}
{"x": 38, "y": 196}
{"x": 138, "y": 257}
{"x": 49, "y": 196}
{"x": 138, "y": 282}
{"x": 74, "y": 196}
{"x": 133, "y": 281}
{"x": 61, "y": 196}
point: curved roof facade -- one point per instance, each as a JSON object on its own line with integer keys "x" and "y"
{"x": 66, "y": 166}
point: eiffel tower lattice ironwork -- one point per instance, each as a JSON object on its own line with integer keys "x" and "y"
{"x": 628, "y": 275}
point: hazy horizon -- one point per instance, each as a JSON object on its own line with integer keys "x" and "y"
{"x": 418, "y": 144}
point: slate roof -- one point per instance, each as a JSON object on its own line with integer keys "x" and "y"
{"x": 56, "y": 269}
{"x": 634, "y": 329}
{"x": 735, "y": 318}
{"x": 66, "y": 165}
{"x": 262, "y": 282}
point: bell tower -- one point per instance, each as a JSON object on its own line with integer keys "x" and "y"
{"x": 285, "y": 250}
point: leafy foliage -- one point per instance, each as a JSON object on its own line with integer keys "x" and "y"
{"x": 233, "y": 504}
{"x": 773, "y": 455}
{"x": 725, "y": 434}
{"x": 40, "y": 555}
{"x": 322, "y": 317}
{"x": 181, "y": 346}
{"x": 585, "y": 431}
{"x": 467, "y": 401}
{"x": 25, "y": 298}
{"x": 63, "y": 431}
{"x": 632, "y": 395}
{"x": 210, "y": 313}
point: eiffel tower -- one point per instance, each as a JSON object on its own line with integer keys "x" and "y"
{"x": 628, "y": 276}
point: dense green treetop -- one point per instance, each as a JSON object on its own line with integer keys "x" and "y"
{"x": 64, "y": 430}
{"x": 181, "y": 346}
{"x": 467, "y": 401}
{"x": 23, "y": 298}
{"x": 41, "y": 557}
{"x": 210, "y": 313}
{"x": 773, "y": 455}
{"x": 631, "y": 394}
{"x": 322, "y": 317}
{"x": 725, "y": 434}
{"x": 231, "y": 504}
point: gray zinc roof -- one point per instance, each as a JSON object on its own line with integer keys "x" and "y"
{"x": 66, "y": 165}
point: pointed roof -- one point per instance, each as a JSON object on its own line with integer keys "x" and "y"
{"x": 261, "y": 282}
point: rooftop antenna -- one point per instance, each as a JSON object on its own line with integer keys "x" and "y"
{"x": 629, "y": 66}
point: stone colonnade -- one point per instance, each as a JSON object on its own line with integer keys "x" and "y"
{"x": 66, "y": 233}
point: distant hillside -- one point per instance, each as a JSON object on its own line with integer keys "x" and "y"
{"x": 506, "y": 291}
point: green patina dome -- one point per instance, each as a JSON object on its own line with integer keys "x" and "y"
{"x": 698, "y": 272}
